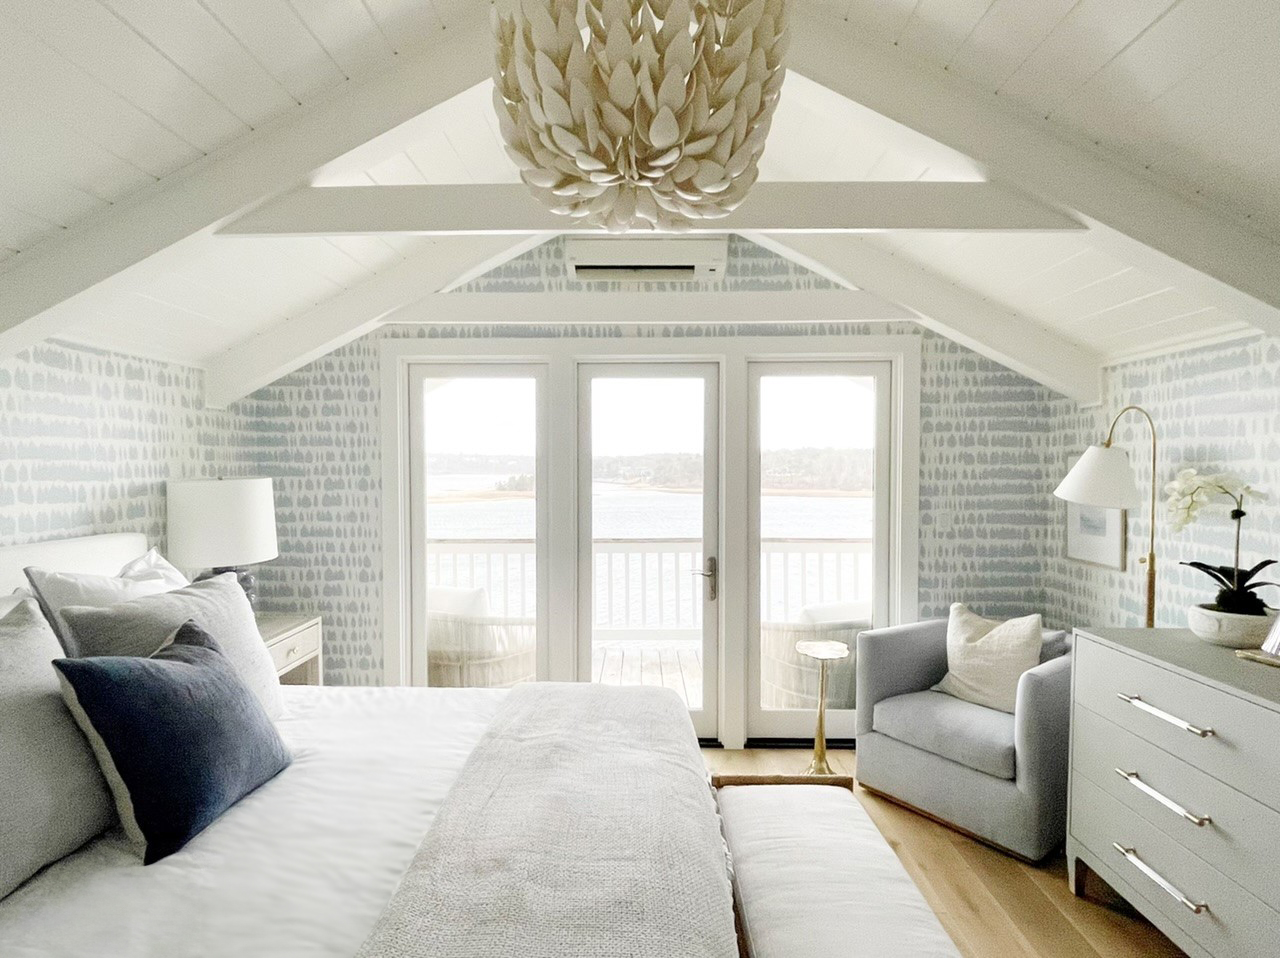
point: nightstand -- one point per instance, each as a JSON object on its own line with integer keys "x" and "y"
{"x": 294, "y": 644}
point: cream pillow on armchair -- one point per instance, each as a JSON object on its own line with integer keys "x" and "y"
{"x": 985, "y": 658}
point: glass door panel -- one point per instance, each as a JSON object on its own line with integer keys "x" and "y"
{"x": 818, "y": 500}
{"x": 649, "y": 529}
{"x": 477, "y": 517}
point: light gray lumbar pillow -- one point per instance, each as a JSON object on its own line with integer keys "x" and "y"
{"x": 55, "y": 798}
{"x": 141, "y": 626}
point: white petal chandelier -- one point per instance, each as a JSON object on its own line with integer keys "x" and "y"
{"x": 639, "y": 114}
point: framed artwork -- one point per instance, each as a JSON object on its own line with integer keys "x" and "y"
{"x": 1096, "y": 536}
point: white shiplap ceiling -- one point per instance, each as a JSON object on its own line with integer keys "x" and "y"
{"x": 103, "y": 98}
{"x": 1183, "y": 90}
{"x": 817, "y": 136}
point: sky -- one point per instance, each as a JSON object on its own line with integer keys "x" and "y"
{"x": 632, "y": 416}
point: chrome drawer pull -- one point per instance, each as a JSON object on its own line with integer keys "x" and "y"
{"x": 1133, "y": 779}
{"x": 1194, "y": 907}
{"x": 1137, "y": 703}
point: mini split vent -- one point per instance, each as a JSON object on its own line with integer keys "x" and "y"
{"x": 665, "y": 260}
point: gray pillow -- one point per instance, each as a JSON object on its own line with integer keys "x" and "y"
{"x": 141, "y": 626}
{"x": 1056, "y": 643}
{"x": 55, "y": 798}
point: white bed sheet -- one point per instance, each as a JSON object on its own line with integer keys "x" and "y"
{"x": 302, "y": 867}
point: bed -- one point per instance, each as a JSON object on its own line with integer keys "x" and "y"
{"x": 303, "y": 866}
{"x": 318, "y": 860}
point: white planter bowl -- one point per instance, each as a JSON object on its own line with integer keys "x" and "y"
{"x": 1228, "y": 628}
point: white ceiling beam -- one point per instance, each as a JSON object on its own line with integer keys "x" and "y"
{"x": 348, "y": 126}
{"x": 700, "y": 308}
{"x": 961, "y": 315}
{"x": 776, "y": 207}
{"x": 293, "y": 343}
{"x": 1244, "y": 268}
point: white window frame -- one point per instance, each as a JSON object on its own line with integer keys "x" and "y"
{"x": 561, "y": 357}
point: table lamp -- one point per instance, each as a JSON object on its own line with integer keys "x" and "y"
{"x": 222, "y": 525}
{"x": 1104, "y": 478}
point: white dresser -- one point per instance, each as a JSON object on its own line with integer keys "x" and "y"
{"x": 1175, "y": 786}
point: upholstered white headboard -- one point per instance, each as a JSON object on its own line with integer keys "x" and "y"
{"x": 95, "y": 555}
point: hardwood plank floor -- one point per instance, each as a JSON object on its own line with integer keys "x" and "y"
{"x": 994, "y": 906}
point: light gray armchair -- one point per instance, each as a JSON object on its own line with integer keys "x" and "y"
{"x": 999, "y": 777}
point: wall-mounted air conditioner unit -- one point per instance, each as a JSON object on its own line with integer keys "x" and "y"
{"x": 667, "y": 259}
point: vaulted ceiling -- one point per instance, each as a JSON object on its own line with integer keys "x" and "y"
{"x": 134, "y": 130}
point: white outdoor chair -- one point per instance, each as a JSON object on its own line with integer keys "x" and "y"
{"x": 468, "y": 648}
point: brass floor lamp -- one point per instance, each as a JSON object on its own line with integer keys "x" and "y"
{"x": 1104, "y": 478}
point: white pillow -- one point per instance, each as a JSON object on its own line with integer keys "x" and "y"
{"x": 835, "y": 612}
{"x": 147, "y": 575}
{"x": 986, "y": 657}
{"x": 154, "y": 566}
{"x": 451, "y": 600}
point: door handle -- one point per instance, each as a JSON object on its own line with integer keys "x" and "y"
{"x": 712, "y": 574}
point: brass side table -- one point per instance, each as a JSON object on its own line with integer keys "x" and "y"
{"x": 824, "y": 652}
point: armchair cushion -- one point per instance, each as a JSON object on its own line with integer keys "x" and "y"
{"x": 971, "y": 735}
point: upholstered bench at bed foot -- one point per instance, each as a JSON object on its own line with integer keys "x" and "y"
{"x": 814, "y": 878}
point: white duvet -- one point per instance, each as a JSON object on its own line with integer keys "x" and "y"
{"x": 302, "y": 867}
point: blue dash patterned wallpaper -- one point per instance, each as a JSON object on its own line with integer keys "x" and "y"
{"x": 87, "y": 439}
{"x": 1217, "y": 409}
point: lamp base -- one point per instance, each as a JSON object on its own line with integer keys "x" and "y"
{"x": 248, "y": 581}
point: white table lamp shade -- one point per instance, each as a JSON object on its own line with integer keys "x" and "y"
{"x": 1103, "y": 477}
{"x": 221, "y": 523}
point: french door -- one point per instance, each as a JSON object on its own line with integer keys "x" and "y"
{"x": 478, "y": 524}
{"x": 819, "y": 470}
{"x": 662, "y": 512}
{"x": 648, "y": 529}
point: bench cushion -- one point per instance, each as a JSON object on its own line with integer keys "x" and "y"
{"x": 815, "y": 879}
{"x": 972, "y": 735}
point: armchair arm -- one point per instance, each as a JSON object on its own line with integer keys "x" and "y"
{"x": 1041, "y": 728}
{"x": 897, "y": 660}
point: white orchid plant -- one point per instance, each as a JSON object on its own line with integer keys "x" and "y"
{"x": 1192, "y": 492}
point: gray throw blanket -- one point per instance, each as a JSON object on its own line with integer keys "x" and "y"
{"x": 582, "y": 826}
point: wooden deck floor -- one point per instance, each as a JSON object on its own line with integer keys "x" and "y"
{"x": 674, "y": 663}
{"x": 992, "y": 905}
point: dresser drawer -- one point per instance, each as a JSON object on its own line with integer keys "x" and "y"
{"x": 1234, "y": 923}
{"x": 289, "y": 650}
{"x": 1240, "y": 751}
{"x": 1240, "y": 836}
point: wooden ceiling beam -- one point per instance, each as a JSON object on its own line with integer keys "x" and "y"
{"x": 776, "y": 207}
{"x": 959, "y": 314}
{"x": 291, "y": 344}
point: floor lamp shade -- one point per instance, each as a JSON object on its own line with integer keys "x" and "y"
{"x": 1103, "y": 477}
{"x": 221, "y": 523}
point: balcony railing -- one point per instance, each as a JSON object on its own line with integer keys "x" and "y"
{"x": 648, "y": 586}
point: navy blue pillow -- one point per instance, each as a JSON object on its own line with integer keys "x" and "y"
{"x": 179, "y": 736}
